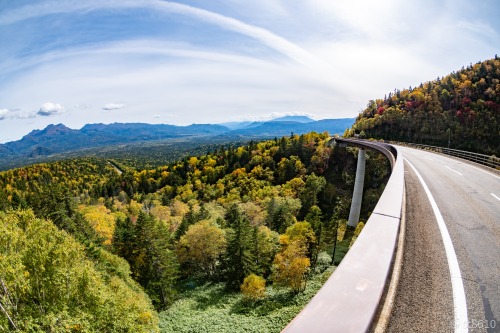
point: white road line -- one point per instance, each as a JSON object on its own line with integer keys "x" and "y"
{"x": 430, "y": 158}
{"x": 489, "y": 173}
{"x": 495, "y": 196}
{"x": 459, "y": 301}
{"x": 465, "y": 163}
{"x": 453, "y": 170}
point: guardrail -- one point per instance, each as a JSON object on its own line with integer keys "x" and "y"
{"x": 490, "y": 161}
{"x": 350, "y": 299}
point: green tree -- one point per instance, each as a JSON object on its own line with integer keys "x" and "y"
{"x": 309, "y": 196}
{"x": 281, "y": 212}
{"x": 145, "y": 246}
{"x": 123, "y": 238}
{"x": 49, "y": 285}
{"x": 188, "y": 219}
{"x": 266, "y": 245}
{"x": 157, "y": 267}
{"x": 200, "y": 249}
{"x": 314, "y": 218}
{"x": 240, "y": 259}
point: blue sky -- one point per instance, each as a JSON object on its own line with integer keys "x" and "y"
{"x": 96, "y": 61}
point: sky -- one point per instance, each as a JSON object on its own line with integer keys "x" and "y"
{"x": 197, "y": 61}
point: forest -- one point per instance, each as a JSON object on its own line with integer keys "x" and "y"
{"x": 460, "y": 111}
{"x": 242, "y": 234}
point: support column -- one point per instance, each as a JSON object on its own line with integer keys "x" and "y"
{"x": 357, "y": 195}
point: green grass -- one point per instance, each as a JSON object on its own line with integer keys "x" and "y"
{"x": 210, "y": 308}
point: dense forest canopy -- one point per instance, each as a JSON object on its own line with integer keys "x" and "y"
{"x": 460, "y": 110}
{"x": 264, "y": 213}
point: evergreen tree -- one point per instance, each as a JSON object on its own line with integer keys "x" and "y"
{"x": 203, "y": 214}
{"x": 188, "y": 219}
{"x": 314, "y": 219}
{"x": 159, "y": 264}
{"x": 123, "y": 238}
{"x": 232, "y": 214}
{"x": 309, "y": 196}
{"x": 162, "y": 267}
{"x": 240, "y": 259}
{"x": 281, "y": 213}
{"x": 145, "y": 245}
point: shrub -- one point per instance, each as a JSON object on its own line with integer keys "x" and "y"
{"x": 253, "y": 287}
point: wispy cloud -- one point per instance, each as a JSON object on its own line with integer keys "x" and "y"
{"x": 139, "y": 47}
{"x": 266, "y": 37}
{"x": 113, "y": 106}
{"x": 225, "y": 61}
{"x": 6, "y": 114}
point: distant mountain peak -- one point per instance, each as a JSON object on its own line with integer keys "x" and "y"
{"x": 56, "y": 129}
{"x": 297, "y": 119}
{"x": 56, "y": 126}
{"x": 59, "y": 139}
{"x": 49, "y": 130}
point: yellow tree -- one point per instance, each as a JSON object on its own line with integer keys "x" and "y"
{"x": 101, "y": 219}
{"x": 253, "y": 287}
{"x": 291, "y": 265}
{"x": 201, "y": 247}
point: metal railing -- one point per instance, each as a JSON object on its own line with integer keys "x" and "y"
{"x": 490, "y": 161}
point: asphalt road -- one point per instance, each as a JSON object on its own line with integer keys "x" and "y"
{"x": 468, "y": 199}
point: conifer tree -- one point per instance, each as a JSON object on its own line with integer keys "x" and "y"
{"x": 314, "y": 219}
{"x": 123, "y": 238}
{"x": 187, "y": 220}
{"x": 240, "y": 259}
{"x": 145, "y": 246}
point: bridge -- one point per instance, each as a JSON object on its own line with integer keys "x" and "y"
{"x": 427, "y": 259}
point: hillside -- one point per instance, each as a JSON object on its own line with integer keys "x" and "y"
{"x": 460, "y": 110}
{"x": 58, "y": 141}
{"x": 268, "y": 211}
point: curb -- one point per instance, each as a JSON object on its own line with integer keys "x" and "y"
{"x": 382, "y": 322}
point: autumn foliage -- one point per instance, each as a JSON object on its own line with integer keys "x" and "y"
{"x": 239, "y": 216}
{"x": 461, "y": 110}
{"x": 49, "y": 285}
{"x": 291, "y": 265}
{"x": 253, "y": 287}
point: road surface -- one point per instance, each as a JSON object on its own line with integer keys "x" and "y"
{"x": 468, "y": 199}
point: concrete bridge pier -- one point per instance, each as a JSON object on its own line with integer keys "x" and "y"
{"x": 357, "y": 195}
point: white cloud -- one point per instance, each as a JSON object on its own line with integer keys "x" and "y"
{"x": 320, "y": 57}
{"x": 3, "y": 113}
{"x": 191, "y": 91}
{"x": 264, "y": 36}
{"x": 13, "y": 114}
{"x": 113, "y": 106}
{"x": 54, "y": 7}
{"x": 50, "y": 109}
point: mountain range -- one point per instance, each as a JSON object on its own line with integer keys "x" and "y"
{"x": 59, "y": 139}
